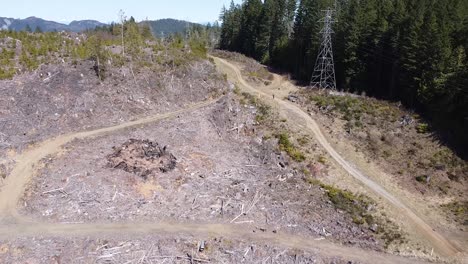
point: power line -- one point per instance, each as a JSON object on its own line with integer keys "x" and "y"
{"x": 324, "y": 70}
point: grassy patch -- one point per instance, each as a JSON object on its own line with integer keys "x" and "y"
{"x": 353, "y": 109}
{"x": 355, "y": 205}
{"x": 422, "y": 128}
{"x": 237, "y": 90}
{"x": 7, "y": 64}
{"x": 263, "y": 110}
{"x": 305, "y": 171}
{"x": 250, "y": 98}
{"x": 303, "y": 140}
{"x": 313, "y": 181}
{"x": 322, "y": 159}
{"x": 261, "y": 73}
{"x": 198, "y": 49}
{"x": 286, "y": 145}
{"x": 7, "y": 73}
{"x": 397, "y": 137}
{"x": 391, "y": 234}
{"x": 458, "y": 210}
{"x": 448, "y": 158}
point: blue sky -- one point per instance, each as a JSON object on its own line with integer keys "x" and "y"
{"x": 200, "y": 11}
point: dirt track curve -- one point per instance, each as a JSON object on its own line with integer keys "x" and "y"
{"x": 13, "y": 225}
{"x": 23, "y": 171}
{"x": 439, "y": 243}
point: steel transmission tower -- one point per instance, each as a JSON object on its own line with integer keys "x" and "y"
{"x": 324, "y": 70}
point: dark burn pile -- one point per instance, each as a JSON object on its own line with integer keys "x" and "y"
{"x": 142, "y": 157}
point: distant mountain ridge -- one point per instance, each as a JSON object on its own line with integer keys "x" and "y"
{"x": 169, "y": 26}
{"x": 46, "y": 25}
{"x": 159, "y": 28}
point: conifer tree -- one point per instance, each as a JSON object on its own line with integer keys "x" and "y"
{"x": 305, "y": 39}
{"x": 413, "y": 51}
{"x": 38, "y": 29}
{"x": 28, "y": 28}
{"x": 249, "y": 29}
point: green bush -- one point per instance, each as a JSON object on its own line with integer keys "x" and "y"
{"x": 286, "y": 145}
{"x": 355, "y": 205}
{"x": 263, "y": 112}
{"x": 422, "y": 179}
{"x": 7, "y": 66}
{"x": 198, "y": 49}
{"x": 250, "y": 98}
{"x": 458, "y": 208}
{"x": 97, "y": 52}
{"x": 422, "y": 128}
{"x": 7, "y": 73}
{"x": 354, "y": 108}
{"x": 29, "y": 62}
{"x": 237, "y": 90}
{"x": 48, "y": 47}
{"x": 322, "y": 159}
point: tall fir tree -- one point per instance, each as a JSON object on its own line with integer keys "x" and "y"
{"x": 306, "y": 39}
{"x": 251, "y": 14}
{"x": 413, "y": 51}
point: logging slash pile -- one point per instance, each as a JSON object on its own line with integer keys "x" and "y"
{"x": 142, "y": 157}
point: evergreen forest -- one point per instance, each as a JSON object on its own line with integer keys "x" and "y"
{"x": 411, "y": 51}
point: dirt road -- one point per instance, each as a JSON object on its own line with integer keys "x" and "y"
{"x": 24, "y": 170}
{"x": 324, "y": 247}
{"x": 438, "y": 242}
{"x": 13, "y": 225}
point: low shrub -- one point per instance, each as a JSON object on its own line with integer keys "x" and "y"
{"x": 286, "y": 145}
{"x": 355, "y": 205}
{"x": 421, "y": 179}
{"x": 422, "y": 128}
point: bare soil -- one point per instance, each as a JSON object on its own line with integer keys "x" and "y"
{"x": 222, "y": 176}
{"x": 252, "y": 70}
{"x": 398, "y": 141}
{"x": 58, "y": 99}
{"x": 152, "y": 249}
{"x": 231, "y": 178}
{"x": 411, "y": 216}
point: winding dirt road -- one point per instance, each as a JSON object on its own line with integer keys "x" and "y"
{"x": 439, "y": 243}
{"x": 13, "y": 225}
{"x": 23, "y": 171}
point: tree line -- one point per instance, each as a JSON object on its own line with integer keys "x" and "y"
{"x": 412, "y": 51}
{"x": 128, "y": 43}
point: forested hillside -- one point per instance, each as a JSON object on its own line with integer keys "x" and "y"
{"x": 413, "y": 51}
{"x": 38, "y": 25}
{"x": 172, "y": 28}
{"x": 167, "y": 27}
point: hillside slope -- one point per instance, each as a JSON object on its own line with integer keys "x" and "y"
{"x": 432, "y": 186}
{"x": 168, "y": 26}
{"x": 160, "y": 27}
{"x": 46, "y": 25}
